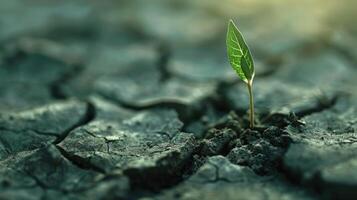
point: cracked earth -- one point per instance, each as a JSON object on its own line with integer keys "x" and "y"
{"x": 131, "y": 100}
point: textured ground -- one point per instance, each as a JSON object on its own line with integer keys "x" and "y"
{"x": 136, "y": 100}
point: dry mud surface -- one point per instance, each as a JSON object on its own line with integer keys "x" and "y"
{"x": 135, "y": 100}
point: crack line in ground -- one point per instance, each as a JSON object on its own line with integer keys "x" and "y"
{"x": 80, "y": 162}
{"x": 43, "y": 186}
{"x": 55, "y": 87}
{"x": 87, "y": 117}
{"x": 164, "y": 57}
{"x": 321, "y": 106}
{"x": 180, "y": 108}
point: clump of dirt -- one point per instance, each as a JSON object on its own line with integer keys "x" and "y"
{"x": 261, "y": 148}
{"x": 216, "y": 141}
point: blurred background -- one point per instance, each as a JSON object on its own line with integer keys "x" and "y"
{"x": 139, "y": 53}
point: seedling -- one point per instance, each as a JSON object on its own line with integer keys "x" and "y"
{"x": 241, "y": 61}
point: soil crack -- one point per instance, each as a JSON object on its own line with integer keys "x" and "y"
{"x": 323, "y": 104}
{"x": 87, "y": 117}
{"x": 55, "y": 87}
{"x": 79, "y": 161}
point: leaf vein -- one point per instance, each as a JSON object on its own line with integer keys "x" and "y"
{"x": 237, "y": 42}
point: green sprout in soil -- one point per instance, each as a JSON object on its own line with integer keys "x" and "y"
{"x": 242, "y": 62}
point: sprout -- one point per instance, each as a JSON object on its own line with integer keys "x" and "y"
{"x": 242, "y": 62}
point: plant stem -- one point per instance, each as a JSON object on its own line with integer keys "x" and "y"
{"x": 251, "y": 103}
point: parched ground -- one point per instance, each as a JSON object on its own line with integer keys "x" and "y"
{"x": 136, "y": 100}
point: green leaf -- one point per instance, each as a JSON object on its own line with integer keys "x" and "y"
{"x": 239, "y": 55}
